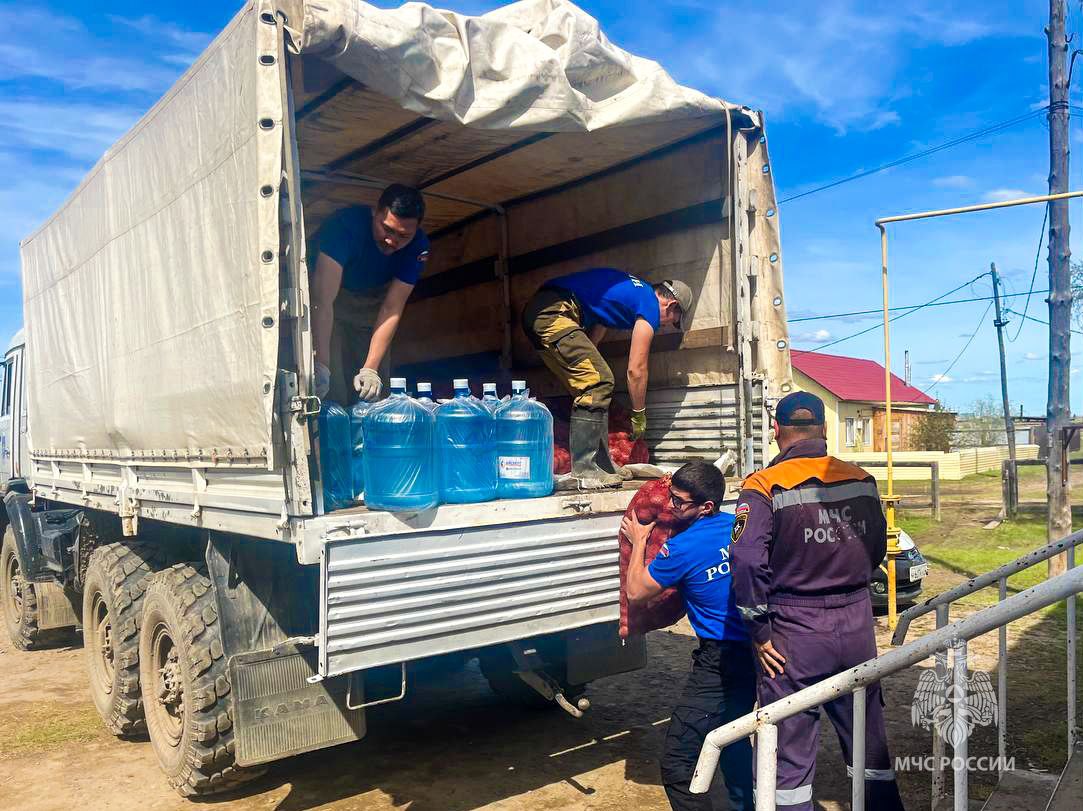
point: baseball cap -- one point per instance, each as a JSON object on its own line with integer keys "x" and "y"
{"x": 683, "y": 294}
{"x": 795, "y": 402}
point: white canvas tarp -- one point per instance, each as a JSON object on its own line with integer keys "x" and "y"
{"x": 144, "y": 294}
{"x": 151, "y": 297}
{"x": 540, "y": 65}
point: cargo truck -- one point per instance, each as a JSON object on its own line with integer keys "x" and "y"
{"x": 160, "y": 477}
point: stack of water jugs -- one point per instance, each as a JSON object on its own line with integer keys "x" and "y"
{"x": 407, "y": 453}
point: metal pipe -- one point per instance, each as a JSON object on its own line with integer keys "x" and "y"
{"x": 857, "y": 785}
{"x": 1044, "y": 594}
{"x": 367, "y": 182}
{"x": 983, "y": 580}
{"x": 941, "y": 666}
{"x": 1002, "y": 687}
{"x": 766, "y": 767}
{"x": 959, "y": 733}
{"x": 1073, "y": 730}
{"x": 944, "y": 212}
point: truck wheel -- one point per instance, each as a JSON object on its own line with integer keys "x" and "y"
{"x": 20, "y": 603}
{"x": 116, "y": 579}
{"x": 498, "y": 669}
{"x": 186, "y": 690}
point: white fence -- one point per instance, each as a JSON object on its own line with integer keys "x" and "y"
{"x": 953, "y": 465}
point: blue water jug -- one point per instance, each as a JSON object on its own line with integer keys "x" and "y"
{"x": 399, "y": 465}
{"x": 489, "y": 398}
{"x": 334, "y": 439}
{"x": 524, "y": 446}
{"x": 464, "y": 448}
{"x": 424, "y": 396}
{"x": 357, "y": 445}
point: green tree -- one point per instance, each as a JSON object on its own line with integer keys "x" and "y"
{"x": 934, "y": 431}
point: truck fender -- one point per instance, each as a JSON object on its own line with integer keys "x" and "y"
{"x": 20, "y": 517}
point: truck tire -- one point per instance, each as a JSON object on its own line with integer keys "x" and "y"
{"x": 186, "y": 689}
{"x": 20, "y": 603}
{"x": 498, "y": 668}
{"x": 113, "y": 589}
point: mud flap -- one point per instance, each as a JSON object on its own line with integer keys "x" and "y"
{"x": 278, "y": 713}
{"x": 597, "y": 651}
{"x": 56, "y": 607}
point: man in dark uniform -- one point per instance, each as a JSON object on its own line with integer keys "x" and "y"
{"x": 809, "y": 532}
{"x": 721, "y": 686}
{"x": 367, "y": 263}
{"x": 567, "y": 319}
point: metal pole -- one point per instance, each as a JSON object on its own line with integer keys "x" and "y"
{"x": 766, "y": 767}
{"x": 1073, "y": 729}
{"x": 960, "y": 735}
{"x": 889, "y": 499}
{"x": 1002, "y": 688}
{"x": 1058, "y": 412}
{"x": 857, "y": 793}
{"x": 1000, "y": 323}
{"x": 935, "y": 470}
{"x": 941, "y": 660}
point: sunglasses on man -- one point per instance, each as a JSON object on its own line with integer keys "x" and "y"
{"x": 678, "y": 503}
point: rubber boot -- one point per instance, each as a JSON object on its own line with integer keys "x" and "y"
{"x": 587, "y": 437}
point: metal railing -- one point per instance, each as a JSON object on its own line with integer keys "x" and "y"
{"x": 941, "y": 603}
{"x": 763, "y": 722}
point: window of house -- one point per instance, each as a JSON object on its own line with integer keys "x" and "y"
{"x": 3, "y": 388}
{"x": 866, "y": 430}
{"x": 850, "y": 440}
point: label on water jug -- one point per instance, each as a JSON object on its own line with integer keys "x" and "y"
{"x": 514, "y": 467}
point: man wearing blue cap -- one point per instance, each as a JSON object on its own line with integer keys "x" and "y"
{"x": 808, "y": 533}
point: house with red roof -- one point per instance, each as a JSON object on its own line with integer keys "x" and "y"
{"x": 853, "y": 393}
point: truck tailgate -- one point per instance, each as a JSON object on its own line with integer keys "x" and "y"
{"x": 386, "y": 600}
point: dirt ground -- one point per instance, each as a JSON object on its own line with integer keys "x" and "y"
{"x": 451, "y": 746}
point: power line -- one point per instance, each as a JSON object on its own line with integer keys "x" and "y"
{"x": 909, "y": 307}
{"x": 1034, "y": 275}
{"x": 909, "y": 311}
{"x": 1037, "y": 320}
{"x": 990, "y": 130}
{"x": 940, "y": 377}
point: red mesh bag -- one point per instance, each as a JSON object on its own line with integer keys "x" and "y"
{"x": 622, "y": 448}
{"x": 650, "y": 503}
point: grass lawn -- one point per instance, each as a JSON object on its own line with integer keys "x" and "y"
{"x": 958, "y": 548}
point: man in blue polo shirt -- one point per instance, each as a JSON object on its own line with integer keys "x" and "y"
{"x": 722, "y": 684}
{"x": 567, "y": 319}
{"x": 367, "y": 263}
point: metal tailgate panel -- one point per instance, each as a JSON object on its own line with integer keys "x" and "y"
{"x": 390, "y": 600}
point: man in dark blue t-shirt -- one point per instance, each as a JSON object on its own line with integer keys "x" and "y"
{"x": 722, "y": 684}
{"x": 367, "y": 263}
{"x": 566, "y": 320}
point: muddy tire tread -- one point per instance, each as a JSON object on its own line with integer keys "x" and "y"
{"x": 28, "y": 636}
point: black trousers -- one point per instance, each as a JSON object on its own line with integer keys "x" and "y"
{"x": 720, "y": 688}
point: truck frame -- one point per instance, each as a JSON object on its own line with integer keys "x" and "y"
{"x": 159, "y": 470}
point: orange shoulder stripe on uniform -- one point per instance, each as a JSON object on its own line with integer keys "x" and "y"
{"x": 793, "y": 472}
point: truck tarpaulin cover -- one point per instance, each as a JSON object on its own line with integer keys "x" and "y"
{"x": 152, "y": 296}
{"x": 650, "y": 503}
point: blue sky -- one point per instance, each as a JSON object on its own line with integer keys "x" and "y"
{"x": 846, "y": 86}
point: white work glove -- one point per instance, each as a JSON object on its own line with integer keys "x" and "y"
{"x": 323, "y": 380}
{"x": 368, "y": 385}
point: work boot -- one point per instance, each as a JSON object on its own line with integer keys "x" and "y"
{"x": 587, "y": 439}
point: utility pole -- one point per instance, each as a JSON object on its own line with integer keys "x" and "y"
{"x": 906, "y": 367}
{"x": 1058, "y": 414}
{"x": 1009, "y": 426}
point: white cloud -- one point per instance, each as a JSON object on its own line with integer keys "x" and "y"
{"x": 841, "y": 60}
{"x": 953, "y": 182}
{"x": 820, "y": 336}
{"x": 1000, "y": 195}
{"x": 1031, "y": 356}
{"x": 43, "y": 45}
{"x": 1074, "y": 371}
{"x": 940, "y": 378}
{"x": 81, "y": 131}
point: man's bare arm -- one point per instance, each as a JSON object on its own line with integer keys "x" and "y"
{"x": 326, "y": 283}
{"x": 638, "y": 354}
{"x": 639, "y": 585}
{"x": 387, "y": 321}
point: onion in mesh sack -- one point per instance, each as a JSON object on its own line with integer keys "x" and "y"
{"x": 650, "y": 503}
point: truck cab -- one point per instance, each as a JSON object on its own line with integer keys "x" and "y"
{"x": 13, "y": 445}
